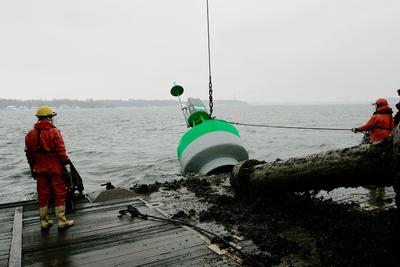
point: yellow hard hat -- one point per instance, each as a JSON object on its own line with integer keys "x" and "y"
{"x": 45, "y": 111}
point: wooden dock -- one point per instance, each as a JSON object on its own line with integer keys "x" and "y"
{"x": 100, "y": 238}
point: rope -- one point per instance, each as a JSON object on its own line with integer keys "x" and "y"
{"x": 290, "y": 127}
{"x": 204, "y": 231}
{"x": 210, "y": 90}
{"x": 134, "y": 212}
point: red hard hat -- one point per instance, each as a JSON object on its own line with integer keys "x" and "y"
{"x": 381, "y": 102}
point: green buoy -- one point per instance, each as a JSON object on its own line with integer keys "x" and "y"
{"x": 210, "y": 143}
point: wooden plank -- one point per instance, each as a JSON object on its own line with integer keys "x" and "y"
{"x": 6, "y": 215}
{"x": 81, "y": 245}
{"x": 75, "y": 246}
{"x": 3, "y": 262}
{"x": 173, "y": 251}
{"x": 71, "y": 247}
{"x": 6, "y": 227}
{"x": 203, "y": 258}
{"x": 31, "y": 217}
{"x": 84, "y": 222}
{"x": 16, "y": 240}
{"x": 96, "y": 253}
{"x": 107, "y": 204}
{"x": 137, "y": 254}
{"x": 101, "y": 229}
{"x": 137, "y": 247}
{"x": 110, "y": 228}
{"x": 100, "y": 238}
{"x": 6, "y": 222}
{"x": 5, "y": 248}
{"x": 5, "y": 252}
{"x": 5, "y": 236}
{"x": 17, "y": 204}
{"x": 194, "y": 256}
{"x": 94, "y": 234}
{"x": 4, "y": 256}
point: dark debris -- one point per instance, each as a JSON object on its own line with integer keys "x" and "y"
{"x": 300, "y": 229}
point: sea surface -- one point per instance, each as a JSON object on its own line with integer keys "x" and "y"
{"x": 127, "y": 146}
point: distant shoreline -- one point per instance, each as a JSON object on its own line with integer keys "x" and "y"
{"x": 16, "y": 104}
{"x": 90, "y": 103}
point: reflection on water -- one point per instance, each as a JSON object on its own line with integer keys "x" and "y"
{"x": 138, "y": 145}
{"x": 368, "y": 198}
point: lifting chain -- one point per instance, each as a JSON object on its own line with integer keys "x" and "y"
{"x": 210, "y": 91}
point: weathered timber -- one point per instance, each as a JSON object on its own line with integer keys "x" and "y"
{"x": 101, "y": 238}
{"x": 365, "y": 164}
{"x": 16, "y": 240}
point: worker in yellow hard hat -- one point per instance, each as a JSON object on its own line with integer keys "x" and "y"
{"x": 47, "y": 158}
{"x": 45, "y": 111}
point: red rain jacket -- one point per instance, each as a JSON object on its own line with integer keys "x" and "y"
{"x": 47, "y": 155}
{"x": 380, "y": 125}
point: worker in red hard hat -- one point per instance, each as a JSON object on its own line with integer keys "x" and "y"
{"x": 47, "y": 158}
{"x": 381, "y": 124}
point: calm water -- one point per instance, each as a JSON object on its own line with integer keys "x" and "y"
{"x": 138, "y": 145}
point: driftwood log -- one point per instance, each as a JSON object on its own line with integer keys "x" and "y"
{"x": 366, "y": 164}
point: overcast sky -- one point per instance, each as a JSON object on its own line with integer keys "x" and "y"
{"x": 262, "y": 50}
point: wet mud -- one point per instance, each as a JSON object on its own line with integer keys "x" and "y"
{"x": 298, "y": 229}
{"x": 145, "y": 188}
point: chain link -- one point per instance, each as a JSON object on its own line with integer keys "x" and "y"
{"x": 210, "y": 93}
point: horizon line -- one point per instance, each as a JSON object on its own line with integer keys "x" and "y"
{"x": 277, "y": 102}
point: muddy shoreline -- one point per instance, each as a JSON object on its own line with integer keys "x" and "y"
{"x": 293, "y": 229}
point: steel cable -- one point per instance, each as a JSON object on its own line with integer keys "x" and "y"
{"x": 290, "y": 127}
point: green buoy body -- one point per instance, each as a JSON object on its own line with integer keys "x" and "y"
{"x": 211, "y": 145}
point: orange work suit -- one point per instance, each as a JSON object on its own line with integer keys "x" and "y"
{"x": 46, "y": 154}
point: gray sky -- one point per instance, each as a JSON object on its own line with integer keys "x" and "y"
{"x": 262, "y": 50}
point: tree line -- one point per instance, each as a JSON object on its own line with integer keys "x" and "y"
{"x": 90, "y": 103}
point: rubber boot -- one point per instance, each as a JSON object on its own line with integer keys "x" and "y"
{"x": 45, "y": 223}
{"x": 63, "y": 223}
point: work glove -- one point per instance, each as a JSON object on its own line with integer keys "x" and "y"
{"x": 354, "y": 130}
{"x": 67, "y": 175}
{"x": 67, "y": 170}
